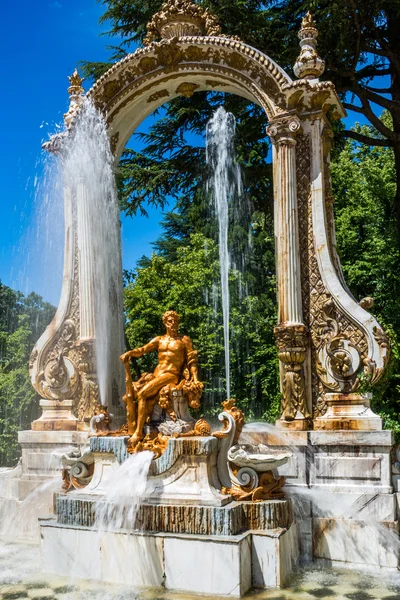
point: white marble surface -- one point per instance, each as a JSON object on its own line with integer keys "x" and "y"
{"x": 274, "y": 556}
{"x": 208, "y": 567}
{"x": 346, "y": 541}
{"x": 351, "y": 468}
{"x": 71, "y": 552}
{"x": 136, "y": 560}
{"x": 351, "y": 438}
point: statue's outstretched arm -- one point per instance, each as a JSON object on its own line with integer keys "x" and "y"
{"x": 137, "y": 352}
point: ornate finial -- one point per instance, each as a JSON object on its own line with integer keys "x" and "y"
{"x": 75, "y": 92}
{"x": 75, "y": 81}
{"x": 309, "y": 65}
{"x": 180, "y": 18}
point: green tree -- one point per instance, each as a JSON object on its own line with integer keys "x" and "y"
{"x": 22, "y": 320}
{"x": 184, "y": 285}
{"x": 359, "y": 41}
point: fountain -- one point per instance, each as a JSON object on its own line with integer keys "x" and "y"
{"x": 224, "y": 182}
{"x": 201, "y": 489}
{"x": 165, "y": 500}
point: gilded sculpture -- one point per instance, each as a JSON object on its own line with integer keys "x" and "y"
{"x": 174, "y": 380}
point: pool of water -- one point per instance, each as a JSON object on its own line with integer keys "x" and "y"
{"x": 21, "y": 577}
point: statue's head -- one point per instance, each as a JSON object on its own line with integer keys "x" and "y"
{"x": 171, "y": 321}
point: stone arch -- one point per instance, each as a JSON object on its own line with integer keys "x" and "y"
{"x": 326, "y": 340}
{"x": 146, "y": 79}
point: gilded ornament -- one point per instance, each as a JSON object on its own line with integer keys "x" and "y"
{"x": 292, "y": 341}
{"x": 237, "y": 61}
{"x": 367, "y": 303}
{"x": 181, "y": 18}
{"x": 196, "y": 54}
{"x": 114, "y": 142}
{"x": 169, "y": 53}
{"x": 111, "y": 88}
{"x": 268, "y": 487}
{"x": 147, "y": 64}
{"x": 75, "y": 82}
{"x": 187, "y": 89}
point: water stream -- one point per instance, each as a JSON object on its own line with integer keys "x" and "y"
{"x": 223, "y": 183}
{"x": 87, "y": 165}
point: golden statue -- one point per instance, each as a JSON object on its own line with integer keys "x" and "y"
{"x": 175, "y": 375}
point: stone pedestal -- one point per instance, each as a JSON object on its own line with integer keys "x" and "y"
{"x": 212, "y": 565}
{"x": 27, "y": 491}
{"x": 185, "y": 534}
{"x": 56, "y": 415}
{"x": 341, "y": 488}
{"x": 41, "y": 455}
{"x": 348, "y": 412}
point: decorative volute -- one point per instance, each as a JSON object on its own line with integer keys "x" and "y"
{"x": 76, "y": 94}
{"x": 309, "y": 65}
{"x": 180, "y": 18}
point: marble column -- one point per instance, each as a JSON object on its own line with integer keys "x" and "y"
{"x": 86, "y": 263}
{"x": 291, "y": 333}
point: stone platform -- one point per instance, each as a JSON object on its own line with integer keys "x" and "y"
{"x": 26, "y": 491}
{"x": 185, "y": 533}
{"x": 233, "y": 519}
{"x": 212, "y": 564}
{"x": 341, "y": 487}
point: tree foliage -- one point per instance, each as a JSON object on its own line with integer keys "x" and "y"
{"x": 358, "y": 40}
{"x": 22, "y": 320}
{"x": 185, "y": 285}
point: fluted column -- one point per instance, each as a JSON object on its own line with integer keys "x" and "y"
{"x": 291, "y": 333}
{"x": 282, "y": 134}
{"x": 86, "y": 263}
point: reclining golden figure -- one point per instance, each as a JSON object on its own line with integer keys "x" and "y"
{"x": 176, "y": 370}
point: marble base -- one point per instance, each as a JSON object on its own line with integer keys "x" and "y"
{"x": 56, "y": 416}
{"x": 348, "y": 412}
{"x": 357, "y": 543}
{"x": 75, "y": 509}
{"x": 26, "y": 492}
{"x": 186, "y": 474}
{"x": 341, "y": 490}
{"x": 212, "y": 565}
{"x": 335, "y": 461}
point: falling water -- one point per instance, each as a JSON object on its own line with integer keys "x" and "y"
{"x": 223, "y": 183}
{"x": 123, "y": 494}
{"x": 88, "y": 164}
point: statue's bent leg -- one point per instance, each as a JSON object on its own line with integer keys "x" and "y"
{"x": 149, "y": 391}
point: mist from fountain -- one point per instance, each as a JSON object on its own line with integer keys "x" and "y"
{"x": 87, "y": 162}
{"x": 224, "y": 183}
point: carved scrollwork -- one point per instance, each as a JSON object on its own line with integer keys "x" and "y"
{"x": 292, "y": 341}
{"x": 179, "y": 18}
{"x": 284, "y": 130}
{"x": 338, "y": 359}
{"x": 59, "y": 377}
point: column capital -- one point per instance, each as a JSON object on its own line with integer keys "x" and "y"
{"x": 283, "y": 130}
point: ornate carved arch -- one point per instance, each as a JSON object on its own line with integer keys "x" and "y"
{"x": 326, "y": 340}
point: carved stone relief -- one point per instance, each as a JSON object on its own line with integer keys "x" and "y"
{"x": 339, "y": 347}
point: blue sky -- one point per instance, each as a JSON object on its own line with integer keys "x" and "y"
{"x": 42, "y": 42}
